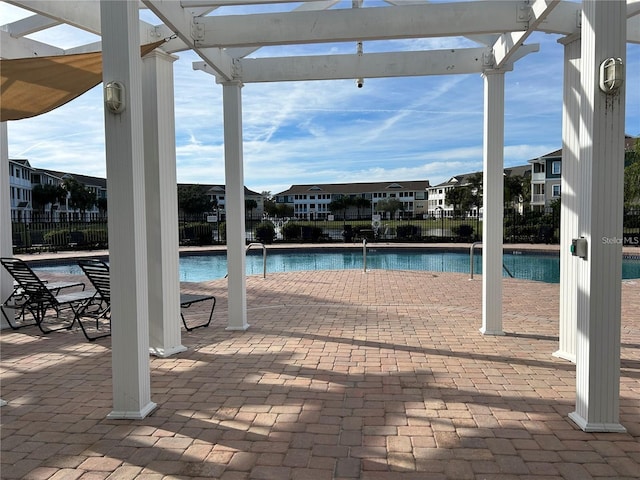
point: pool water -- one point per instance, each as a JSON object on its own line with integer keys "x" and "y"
{"x": 199, "y": 268}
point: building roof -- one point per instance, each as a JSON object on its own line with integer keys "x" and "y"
{"x": 21, "y": 161}
{"x": 83, "y": 179}
{"x": 629, "y": 143}
{"x": 215, "y": 189}
{"x": 465, "y": 179}
{"x": 355, "y": 188}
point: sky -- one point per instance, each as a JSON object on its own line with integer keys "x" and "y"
{"x": 395, "y": 129}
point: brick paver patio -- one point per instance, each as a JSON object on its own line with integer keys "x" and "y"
{"x": 341, "y": 375}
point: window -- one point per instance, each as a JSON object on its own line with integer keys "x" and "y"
{"x": 538, "y": 168}
{"x": 556, "y": 167}
{"x": 556, "y": 190}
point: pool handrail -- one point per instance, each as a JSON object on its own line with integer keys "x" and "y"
{"x": 264, "y": 257}
{"x": 364, "y": 255}
{"x": 471, "y": 249}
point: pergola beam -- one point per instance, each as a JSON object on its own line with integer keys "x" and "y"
{"x": 371, "y": 65}
{"x": 510, "y": 42}
{"x": 233, "y": 3}
{"x": 360, "y": 24}
{"x": 30, "y": 25}
{"x": 25, "y": 47}
{"x": 181, "y": 22}
{"x": 82, "y": 15}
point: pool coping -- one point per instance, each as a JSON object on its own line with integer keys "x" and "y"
{"x": 53, "y": 258}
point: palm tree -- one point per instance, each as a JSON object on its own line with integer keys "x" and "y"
{"x": 361, "y": 202}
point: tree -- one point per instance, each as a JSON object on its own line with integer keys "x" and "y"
{"x": 361, "y": 202}
{"x": 461, "y": 199}
{"x": 80, "y": 197}
{"x": 269, "y": 204}
{"x": 390, "y": 205}
{"x": 284, "y": 210}
{"x": 44, "y": 195}
{"x": 341, "y": 204}
{"x": 102, "y": 205}
{"x": 475, "y": 184}
{"x": 249, "y": 205}
{"x": 514, "y": 189}
{"x": 193, "y": 199}
{"x": 632, "y": 176}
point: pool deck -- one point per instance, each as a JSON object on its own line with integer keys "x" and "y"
{"x": 341, "y": 375}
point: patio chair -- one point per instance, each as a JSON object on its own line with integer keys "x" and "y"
{"x": 188, "y": 299}
{"x": 97, "y": 272}
{"x": 32, "y": 294}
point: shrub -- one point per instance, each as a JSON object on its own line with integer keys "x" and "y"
{"x": 407, "y": 232}
{"x": 463, "y": 231}
{"x": 265, "y": 232}
{"x": 292, "y": 231}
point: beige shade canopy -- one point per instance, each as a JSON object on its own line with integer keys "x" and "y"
{"x": 32, "y": 86}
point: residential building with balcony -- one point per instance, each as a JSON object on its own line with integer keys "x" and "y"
{"x": 20, "y": 189}
{"x": 546, "y": 177}
{"x": 63, "y": 211}
{"x": 311, "y": 201}
{"x": 438, "y": 206}
{"x": 216, "y": 194}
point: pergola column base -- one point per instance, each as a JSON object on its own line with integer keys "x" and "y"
{"x": 166, "y": 352}
{"x": 486, "y": 331}
{"x": 565, "y": 355}
{"x": 139, "y": 415}
{"x": 239, "y": 328}
{"x": 587, "y": 426}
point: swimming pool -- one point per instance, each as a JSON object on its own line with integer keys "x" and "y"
{"x": 213, "y": 266}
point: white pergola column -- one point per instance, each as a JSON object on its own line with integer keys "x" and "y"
{"x": 6, "y": 240}
{"x": 161, "y": 204}
{"x": 569, "y": 200}
{"x": 600, "y": 202}
{"x": 492, "y": 202}
{"x": 127, "y": 223}
{"x": 234, "y": 205}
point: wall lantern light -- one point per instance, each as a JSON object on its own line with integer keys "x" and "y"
{"x": 611, "y": 75}
{"x": 114, "y": 97}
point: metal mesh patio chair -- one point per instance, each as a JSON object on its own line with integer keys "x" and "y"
{"x": 97, "y": 272}
{"x": 34, "y": 296}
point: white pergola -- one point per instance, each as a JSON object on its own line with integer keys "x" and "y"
{"x": 140, "y": 143}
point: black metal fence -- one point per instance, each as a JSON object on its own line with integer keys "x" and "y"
{"x": 59, "y": 235}
{"x": 531, "y": 227}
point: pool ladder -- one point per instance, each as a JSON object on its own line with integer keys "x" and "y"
{"x": 471, "y": 251}
{"x": 364, "y": 255}
{"x": 264, "y": 257}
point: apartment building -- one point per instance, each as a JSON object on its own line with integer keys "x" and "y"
{"x": 438, "y": 206}
{"x": 311, "y": 201}
{"x": 20, "y": 195}
{"x": 216, "y": 194}
{"x": 546, "y": 176}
